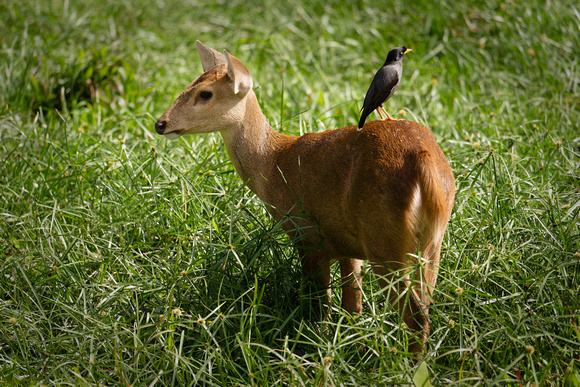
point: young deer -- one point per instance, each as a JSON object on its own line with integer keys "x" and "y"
{"x": 383, "y": 194}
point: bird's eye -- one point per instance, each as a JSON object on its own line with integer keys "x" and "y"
{"x": 205, "y": 95}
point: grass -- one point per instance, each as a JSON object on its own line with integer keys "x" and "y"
{"x": 127, "y": 259}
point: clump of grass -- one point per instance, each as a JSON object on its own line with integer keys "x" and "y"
{"x": 94, "y": 73}
{"x": 128, "y": 259}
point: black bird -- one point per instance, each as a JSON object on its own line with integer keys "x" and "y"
{"x": 384, "y": 85}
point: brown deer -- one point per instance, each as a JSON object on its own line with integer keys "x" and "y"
{"x": 383, "y": 194}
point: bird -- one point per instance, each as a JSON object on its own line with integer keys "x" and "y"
{"x": 384, "y": 85}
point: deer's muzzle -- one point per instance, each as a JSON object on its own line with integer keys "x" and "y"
{"x": 160, "y": 126}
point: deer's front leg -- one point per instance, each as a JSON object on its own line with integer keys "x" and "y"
{"x": 350, "y": 271}
{"x": 316, "y": 267}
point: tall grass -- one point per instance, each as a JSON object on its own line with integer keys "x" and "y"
{"x": 127, "y": 259}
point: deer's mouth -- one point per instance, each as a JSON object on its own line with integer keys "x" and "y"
{"x": 160, "y": 127}
{"x": 173, "y": 135}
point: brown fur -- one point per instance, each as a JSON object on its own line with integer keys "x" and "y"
{"x": 382, "y": 194}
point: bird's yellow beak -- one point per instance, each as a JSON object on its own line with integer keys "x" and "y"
{"x": 408, "y": 50}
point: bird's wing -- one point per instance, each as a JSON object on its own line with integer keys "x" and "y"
{"x": 384, "y": 85}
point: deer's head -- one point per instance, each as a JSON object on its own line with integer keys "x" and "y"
{"x": 214, "y": 101}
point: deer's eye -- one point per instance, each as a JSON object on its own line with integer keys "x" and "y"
{"x": 205, "y": 95}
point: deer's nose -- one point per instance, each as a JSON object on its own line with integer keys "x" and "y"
{"x": 160, "y": 126}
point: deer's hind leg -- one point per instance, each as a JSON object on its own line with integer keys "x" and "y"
{"x": 392, "y": 261}
{"x": 396, "y": 285}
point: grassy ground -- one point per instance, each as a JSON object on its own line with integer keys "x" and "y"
{"x": 127, "y": 259}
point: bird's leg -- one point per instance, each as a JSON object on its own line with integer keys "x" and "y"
{"x": 379, "y": 111}
{"x": 388, "y": 115}
{"x": 389, "y": 118}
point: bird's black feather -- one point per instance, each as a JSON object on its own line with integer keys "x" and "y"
{"x": 384, "y": 84}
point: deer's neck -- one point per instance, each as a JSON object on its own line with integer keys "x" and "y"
{"x": 252, "y": 146}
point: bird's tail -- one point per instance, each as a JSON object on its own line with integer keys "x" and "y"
{"x": 361, "y": 123}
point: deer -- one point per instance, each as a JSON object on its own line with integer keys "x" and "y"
{"x": 382, "y": 195}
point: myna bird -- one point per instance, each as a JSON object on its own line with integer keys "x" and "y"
{"x": 384, "y": 85}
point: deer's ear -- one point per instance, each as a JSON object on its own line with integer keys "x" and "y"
{"x": 209, "y": 57}
{"x": 239, "y": 74}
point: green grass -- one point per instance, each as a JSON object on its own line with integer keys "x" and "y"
{"x": 127, "y": 259}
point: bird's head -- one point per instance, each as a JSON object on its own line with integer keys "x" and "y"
{"x": 397, "y": 54}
